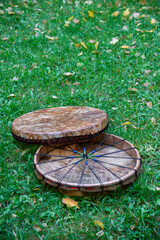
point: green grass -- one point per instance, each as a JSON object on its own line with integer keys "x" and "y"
{"x": 105, "y": 76}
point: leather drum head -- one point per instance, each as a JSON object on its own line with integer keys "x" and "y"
{"x": 60, "y": 124}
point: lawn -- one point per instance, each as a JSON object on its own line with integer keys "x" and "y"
{"x": 102, "y": 54}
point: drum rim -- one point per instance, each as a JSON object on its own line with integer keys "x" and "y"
{"x": 132, "y": 173}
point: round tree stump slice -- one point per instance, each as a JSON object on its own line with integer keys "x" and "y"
{"x": 60, "y": 124}
{"x": 102, "y": 164}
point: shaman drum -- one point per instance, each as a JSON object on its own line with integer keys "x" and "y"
{"x": 100, "y": 164}
{"x": 60, "y": 124}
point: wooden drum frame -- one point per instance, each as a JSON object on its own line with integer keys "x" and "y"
{"x": 100, "y": 164}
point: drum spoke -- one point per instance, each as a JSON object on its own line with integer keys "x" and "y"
{"x": 65, "y": 174}
{"x": 50, "y": 155}
{"x": 117, "y": 165}
{"x": 123, "y": 150}
{"x": 81, "y": 177}
{"x": 95, "y": 150}
{"x": 55, "y": 160}
{"x": 58, "y": 169}
{"x": 108, "y": 145}
{"x": 99, "y": 180}
{"x": 116, "y": 157}
{"x": 99, "y": 162}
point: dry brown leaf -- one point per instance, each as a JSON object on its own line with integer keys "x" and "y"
{"x": 149, "y": 104}
{"x": 96, "y": 45}
{"x": 132, "y": 47}
{"x": 72, "y": 90}
{"x": 51, "y": 38}
{"x": 115, "y": 14}
{"x": 100, "y": 233}
{"x": 37, "y": 228}
{"x": 70, "y": 202}
{"x": 15, "y": 79}
{"x": 133, "y": 89}
{"x": 147, "y": 71}
{"x": 92, "y": 41}
{"x": 44, "y": 21}
{"x": 132, "y": 227}
{"x": 99, "y": 29}
{"x": 12, "y": 95}
{"x": 76, "y": 83}
{"x": 126, "y": 12}
{"x": 76, "y": 21}
{"x": 54, "y": 97}
{"x": 88, "y": 2}
{"x": 67, "y": 82}
{"x": 139, "y": 30}
{"x": 15, "y": 235}
{"x": 125, "y": 28}
{"x": 153, "y": 121}
{"x": 97, "y": 53}
{"x": 68, "y": 74}
{"x": 143, "y": 2}
{"x": 90, "y": 14}
{"x": 135, "y": 15}
{"x": 114, "y": 40}
{"x": 4, "y": 39}
{"x": 1, "y": 12}
{"x": 99, "y": 224}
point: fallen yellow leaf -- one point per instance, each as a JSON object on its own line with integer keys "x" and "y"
{"x": 70, "y": 202}
{"x": 83, "y": 44}
{"x": 124, "y": 46}
{"x": 90, "y": 14}
{"x": 149, "y": 104}
{"x": 99, "y": 224}
{"x": 126, "y": 12}
{"x": 70, "y": 19}
{"x": 78, "y": 45}
{"x": 126, "y": 123}
{"x": 115, "y": 13}
{"x": 153, "y": 21}
{"x": 80, "y": 54}
{"x": 96, "y": 45}
{"x": 36, "y": 189}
